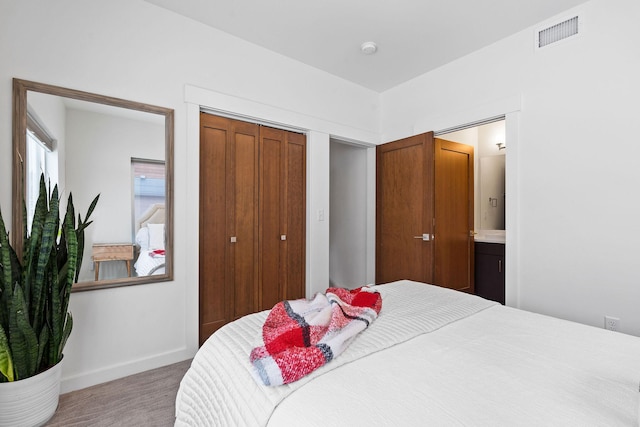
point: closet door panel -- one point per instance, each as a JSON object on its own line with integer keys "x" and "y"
{"x": 244, "y": 217}
{"x": 271, "y": 212}
{"x": 296, "y": 178}
{"x": 216, "y": 294}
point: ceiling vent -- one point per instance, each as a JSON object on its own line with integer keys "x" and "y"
{"x": 557, "y": 32}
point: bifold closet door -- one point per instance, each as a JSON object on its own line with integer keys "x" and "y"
{"x": 228, "y": 221}
{"x": 273, "y": 248}
{"x": 296, "y": 214}
{"x": 252, "y": 219}
{"x": 282, "y": 216}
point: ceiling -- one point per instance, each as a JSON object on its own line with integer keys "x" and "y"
{"x": 413, "y": 36}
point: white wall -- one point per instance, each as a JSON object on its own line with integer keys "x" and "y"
{"x": 348, "y": 208}
{"x": 572, "y": 172}
{"x": 133, "y": 50}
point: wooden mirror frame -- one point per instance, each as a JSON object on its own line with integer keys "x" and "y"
{"x": 20, "y": 90}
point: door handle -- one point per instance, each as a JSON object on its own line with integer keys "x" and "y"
{"x": 425, "y": 237}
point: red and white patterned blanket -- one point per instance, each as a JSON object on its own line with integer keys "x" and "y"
{"x": 302, "y": 335}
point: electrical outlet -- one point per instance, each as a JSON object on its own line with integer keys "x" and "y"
{"x": 611, "y": 323}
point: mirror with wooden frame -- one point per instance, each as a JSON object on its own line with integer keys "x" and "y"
{"x": 91, "y": 144}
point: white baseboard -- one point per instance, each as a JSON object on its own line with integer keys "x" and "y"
{"x": 110, "y": 373}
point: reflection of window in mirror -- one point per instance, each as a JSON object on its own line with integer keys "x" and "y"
{"x": 40, "y": 147}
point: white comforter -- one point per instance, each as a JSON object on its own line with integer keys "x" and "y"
{"x": 147, "y": 263}
{"x": 433, "y": 357}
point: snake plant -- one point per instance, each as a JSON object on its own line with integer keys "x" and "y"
{"x": 35, "y": 291}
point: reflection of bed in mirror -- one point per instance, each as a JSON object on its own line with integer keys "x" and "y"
{"x": 150, "y": 241}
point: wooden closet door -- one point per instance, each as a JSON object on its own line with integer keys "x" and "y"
{"x": 228, "y": 221}
{"x": 252, "y": 219}
{"x": 272, "y": 211}
{"x": 282, "y": 216}
{"x": 243, "y": 215}
{"x": 296, "y": 218}
{"x": 216, "y": 287}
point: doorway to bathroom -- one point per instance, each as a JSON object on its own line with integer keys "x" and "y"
{"x": 489, "y": 142}
{"x": 489, "y": 145}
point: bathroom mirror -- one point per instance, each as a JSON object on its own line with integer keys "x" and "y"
{"x": 91, "y": 144}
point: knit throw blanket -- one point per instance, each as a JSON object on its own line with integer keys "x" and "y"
{"x": 300, "y": 336}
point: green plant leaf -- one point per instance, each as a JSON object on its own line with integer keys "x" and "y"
{"x": 72, "y": 251}
{"x": 68, "y": 326}
{"x": 55, "y": 318}
{"x": 82, "y": 225}
{"x": 49, "y": 237}
{"x": 6, "y": 278}
{"x": 5, "y": 255}
{"x": 92, "y": 206}
{"x": 33, "y": 242}
{"x": 6, "y": 364}
{"x": 22, "y": 338}
{"x": 43, "y": 341}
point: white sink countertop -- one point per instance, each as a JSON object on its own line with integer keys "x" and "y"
{"x": 491, "y": 236}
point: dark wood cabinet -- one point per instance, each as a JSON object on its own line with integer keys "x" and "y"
{"x": 252, "y": 219}
{"x": 489, "y": 271}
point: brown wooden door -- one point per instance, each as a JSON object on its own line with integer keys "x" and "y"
{"x": 252, "y": 219}
{"x": 425, "y": 186}
{"x": 243, "y": 216}
{"x": 228, "y": 221}
{"x": 282, "y": 216}
{"x": 453, "y": 254}
{"x": 272, "y": 211}
{"x": 296, "y": 219}
{"x": 216, "y": 289}
{"x": 404, "y": 209}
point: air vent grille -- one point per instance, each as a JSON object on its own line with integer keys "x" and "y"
{"x": 558, "y": 32}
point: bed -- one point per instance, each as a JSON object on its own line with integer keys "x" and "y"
{"x": 150, "y": 241}
{"x": 433, "y": 357}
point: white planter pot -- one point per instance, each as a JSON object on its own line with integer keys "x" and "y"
{"x": 32, "y": 401}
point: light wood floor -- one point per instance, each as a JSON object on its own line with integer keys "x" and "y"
{"x": 145, "y": 399}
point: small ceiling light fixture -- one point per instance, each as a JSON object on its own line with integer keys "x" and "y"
{"x": 369, "y": 48}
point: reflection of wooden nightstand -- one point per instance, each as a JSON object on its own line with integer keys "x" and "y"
{"x": 112, "y": 252}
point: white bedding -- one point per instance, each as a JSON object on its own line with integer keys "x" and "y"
{"x": 433, "y": 357}
{"x": 146, "y": 264}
